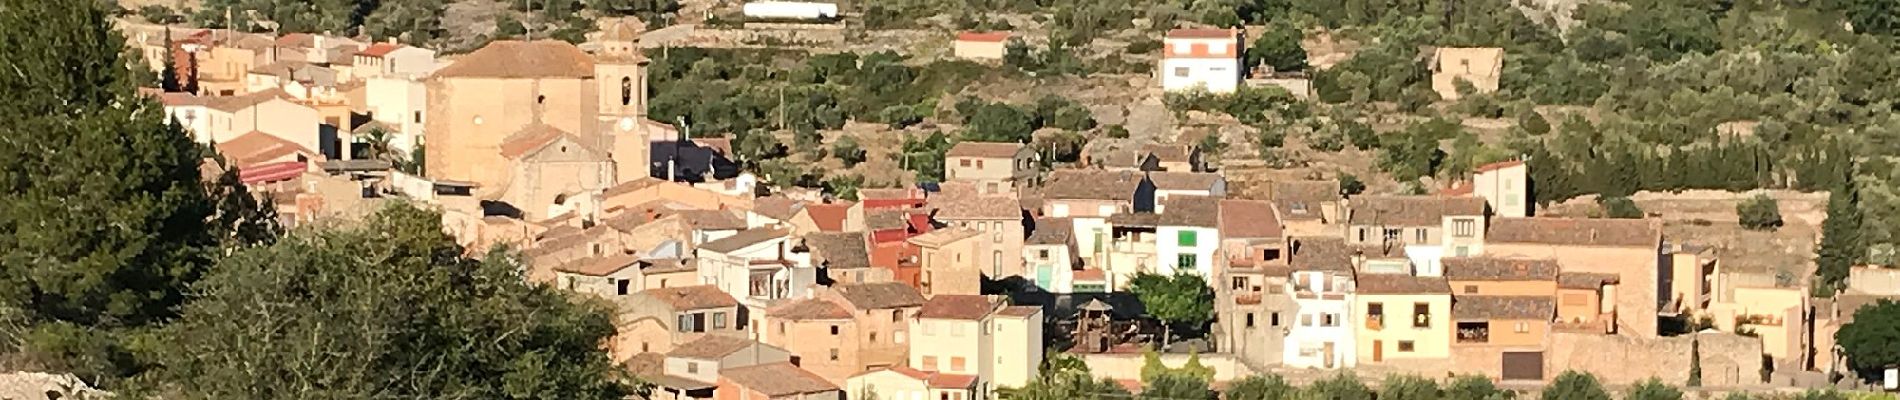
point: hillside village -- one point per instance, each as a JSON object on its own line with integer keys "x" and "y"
{"x": 911, "y": 234}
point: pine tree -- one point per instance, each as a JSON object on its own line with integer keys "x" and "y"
{"x": 169, "y": 77}
{"x": 191, "y": 77}
{"x": 1841, "y": 244}
{"x": 102, "y": 209}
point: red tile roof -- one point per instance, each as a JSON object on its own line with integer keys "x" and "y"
{"x": 599, "y": 266}
{"x": 829, "y": 217}
{"x": 271, "y": 172}
{"x": 957, "y": 306}
{"x": 777, "y": 380}
{"x": 698, "y": 297}
{"x": 809, "y": 309}
{"x": 519, "y": 59}
{"x": 973, "y": 36}
{"x": 379, "y": 50}
{"x": 1091, "y": 275}
{"x": 1497, "y": 166}
{"x": 1248, "y": 219}
{"x": 984, "y": 150}
{"x": 1203, "y": 33}
{"x": 258, "y": 147}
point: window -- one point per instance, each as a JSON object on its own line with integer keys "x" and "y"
{"x": 1471, "y": 289}
{"x": 686, "y": 323}
{"x": 1461, "y": 251}
{"x": 834, "y": 330}
{"x": 1273, "y": 319}
{"x": 1421, "y": 315}
{"x": 930, "y": 363}
{"x": 979, "y": 163}
{"x": 897, "y": 315}
{"x": 1240, "y": 282}
{"x": 834, "y": 354}
{"x": 692, "y": 368}
{"x": 1464, "y": 227}
{"x": 1392, "y": 234}
{"x": 1362, "y": 234}
{"x": 1328, "y": 319}
{"x": 1042, "y": 254}
{"x": 1522, "y": 327}
{"x": 956, "y": 364}
{"x": 719, "y": 320}
{"x": 1407, "y": 346}
{"x": 1421, "y": 235}
{"x": 1188, "y": 238}
{"x": 1298, "y": 207}
{"x": 626, "y": 91}
{"x": 781, "y": 328}
{"x": 622, "y": 286}
{"x": 1187, "y": 261}
{"x": 540, "y": 99}
{"x": 1180, "y": 72}
{"x": 963, "y": 162}
{"x": 1306, "y": 319}
{"x": 1249, "y": 320}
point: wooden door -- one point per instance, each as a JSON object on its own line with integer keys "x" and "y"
{"x": 1378, "y": 350}
{"x": 1329, "y": 355}
{"x": 1527, "y": 365}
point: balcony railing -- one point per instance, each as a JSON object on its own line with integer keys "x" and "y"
{"x": 1758, "y": 319}
{"x": 1375, "y": 322}
{"x": 1247, "y": 298}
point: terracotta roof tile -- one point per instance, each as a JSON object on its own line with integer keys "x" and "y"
{"x": 1411, "y": 210}
{"x": 777, "y": 207}
{"x": 972, "y": 207}
{"x": 941, "y": 237}
{"x": 984, "y": 150}
{"x": 881, "y": 295}
{"x": 258, "y": 147}
{"x": 829, "y": 217}
{"x": 778, "y": 379}
{"x": 379, "y": 50}
{"x": 1083, "y": 184}
{"x": 1401, "y": 284}
{"x": 708, "y": 347}
{"x": 534, "y": 137}
{"x": 952, "y": 381}
{"x": 1576, "y": 231}
{"x": 1320, "y": 254}
{"x": 1191, "y": 211}
{"x": 1301, "y": 200}
{"x": 1089, "y": 275}
{"x": 599, "y": 266}
{"x": 1541, "y": 308}
{"x": 958, "y": 306}
{"x": 744, "y": 238}
{"x": 1499, "y": 269}
{"x": 1585, "y": 280}
{"x": 809, "y": 309}
{"x": 1248, "y": 219}
{"x": 1052, "y": 231}
{"x": 519, "y": 59}
{"x": 1019, "y": 311}
{"x": 839, "y": 250}
{"x": 698, "y": 297}
{"x": 1203, "y": 33}
{"x": 1170, "y": 180}
{"x": 974, "y": 36}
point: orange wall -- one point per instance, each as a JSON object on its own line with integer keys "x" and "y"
{"x": 1505, "y": 288}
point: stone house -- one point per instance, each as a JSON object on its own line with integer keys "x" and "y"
{"x": 1250, "y": 234}
{"x": 499, "y": 92}
{"x": 980, "y": 45}
{"x": 977, "y": 335}
{"x": 906, "y": 383}
{"x": 656, "y": 320}
{"x": 868, "y": 324}
{"x": 547, "y": 165}
{"x": 1480, "y": 67}
{"x": 1402, "y": 318}
{"x": 844, "y": 257}
{"x": 1308, "y": 208}
{"x": 1089, "y": 198}
{"x": 1321, "y": 283}
{"x": 999, "y": 221}
{"x": 1426, "y": 227}
{"x": 1169, "y": 183}
{"x": 823, "y": 217}
{"x": 1501, "y": 336}
{"x": 692, "y": 370}
{"x": 1690, "y": 273}
{"x": 1049, "y": 255}
{"x": 947, "y": 258}
{"x": 888, "y": 233}
{"x": 621, "y": 275}
{"x": 1628, "y": 249}
{"x": 774, "y": 381}
{"x": 995, "y": 168}
{"x": 757, "y": 266}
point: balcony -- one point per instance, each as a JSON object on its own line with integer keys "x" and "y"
{"x": 1474, "y": 332}
{"x": 1375, "y": 322}
{"x": 1758, "y": 319}
{"x": 1247, "y": 298}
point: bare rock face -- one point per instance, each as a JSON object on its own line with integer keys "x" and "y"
{"x": 40, "y": 385}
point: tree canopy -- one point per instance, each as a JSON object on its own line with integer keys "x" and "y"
{"x": 390, "y": 309}
{"x": 1179, "y": 300}
{"x": 1573, "y": 385}
{"x": 1872, "y": 341}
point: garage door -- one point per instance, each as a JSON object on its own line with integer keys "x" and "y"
{"x": 1527, "y": 365}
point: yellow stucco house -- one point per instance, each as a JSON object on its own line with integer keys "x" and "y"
{"x": 1402, "y": 317}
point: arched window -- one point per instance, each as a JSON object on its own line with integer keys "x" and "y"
{"x": 626, "y": 91}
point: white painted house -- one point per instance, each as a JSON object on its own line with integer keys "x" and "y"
{"x": 757, "y": 266}
{"x": 1188, "y": 235}
{"x": 1320, "y": 334}
{"x": 394, "y": 60}
{"x": 1208, "y": 59}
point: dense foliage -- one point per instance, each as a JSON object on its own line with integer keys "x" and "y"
{"x": 1182, "y": 300}
{"x": 1760, "y": 213}
{"x": 389, "y": 309}
{"x": 420, "y": 22}
{"x": 1872, "y": 341}
{"x": 1573, "y": 385}
{"x": 103, "y": 212}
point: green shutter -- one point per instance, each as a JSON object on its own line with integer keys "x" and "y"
{"x": 1188, "y": 238}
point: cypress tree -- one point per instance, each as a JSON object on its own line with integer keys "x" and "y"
{"x": 1841, "y": 244}
{"x": 102, "y": 211}
{"x": 168, "y": 78}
